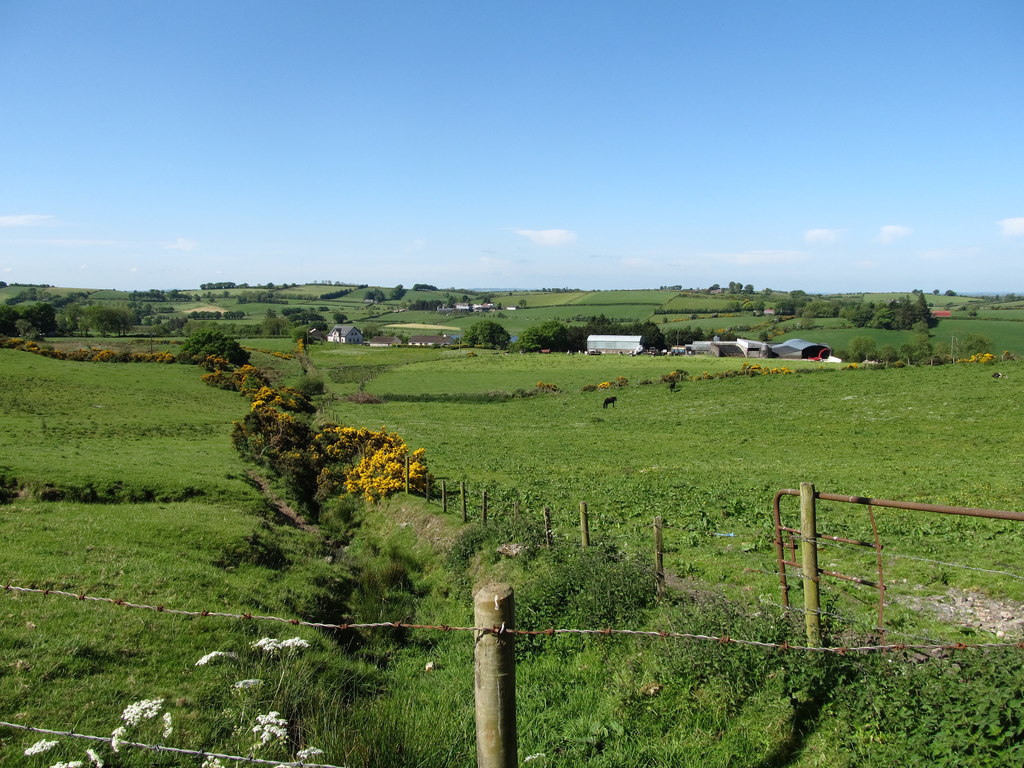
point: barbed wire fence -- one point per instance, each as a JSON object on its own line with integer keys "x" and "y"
{"x": 921, "y": 647}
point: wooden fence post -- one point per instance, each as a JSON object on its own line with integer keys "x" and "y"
{"x": 515, "y": 509}
{"x": 444, "y": 497}
{"x": 659, "y": 558}
{"x": 495, "y": 677}
{"x": 426, "y": 486}
{"x": 584, "y": 525}
{"x": 809, "y": 559}
{"x": 462, "y": 491}
{"x": 547, "y": 527}
{"x": 407, "y": 474}
{"x": 483, "y": 508}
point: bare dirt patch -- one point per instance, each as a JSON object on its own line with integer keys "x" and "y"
{"x": 1003, "y": 618}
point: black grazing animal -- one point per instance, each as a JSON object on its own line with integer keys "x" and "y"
{"x": 609, "y": 401}
{"x": 998, "y": 375}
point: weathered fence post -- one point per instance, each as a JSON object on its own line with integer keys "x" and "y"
{"x": 483, "y": 508}
{"x": 809, "y": 558}
{"x": 495, "y": 677}
{"x": 462, "y": 491}
{"x": 659, "y": 558}
{"x": 547, "y": 527}
{"x": 515, "y": 509}
{"x": 426, "y": 486}
{"x": 444, "y": 497}
{"x": 407, "y": 474}
{"x": 584, "y": 525}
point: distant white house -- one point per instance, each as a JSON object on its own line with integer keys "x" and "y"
{"x": 345, "y": 334}
{"x": 614, "y": 345}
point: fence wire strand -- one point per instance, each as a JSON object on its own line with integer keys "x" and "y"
{"x": 503, "y": 630}
{"x": 163, "y": 748}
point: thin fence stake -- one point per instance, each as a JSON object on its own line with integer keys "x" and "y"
{"x": 495, "y": 677}
{"x": 809, "y": 559}
{"x": 483, "y": 508}
{"x": 462, "y": 491}
{"x": 407, "y": 474}
{"x": 444, "y": 497}
{"x": 547, "y": 527}
{"x": 659, "y": 558}
{"x": 584, "y": 525}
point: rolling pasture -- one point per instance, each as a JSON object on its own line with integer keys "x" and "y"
{"x": 706, "y": 457}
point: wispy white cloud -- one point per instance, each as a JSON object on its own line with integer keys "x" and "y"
{"x": 890, "y": 233}
{"x": 181, "y": 244}
{"x": 1012, "y": 227}
{"x": 548, "y": 237}
{"x": 821, "y": 235}
{"x": 27, "y": 220}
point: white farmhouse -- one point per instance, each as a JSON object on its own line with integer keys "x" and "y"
{"x": 345, "y": 334}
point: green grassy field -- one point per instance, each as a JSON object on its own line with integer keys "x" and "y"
{"x": 706, "y": 457}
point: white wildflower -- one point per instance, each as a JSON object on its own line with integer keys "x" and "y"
{"x": 72, "y": 764}
{"x": 146, "y": 709}
{"x": 212, "y": 762}
{"x": 535, "y": 756}
{"x": 308, "y": 752}
{"x": 213, "y": 655}
{"x": 117, "y": 737}
{"x": 267, "y": 645}
{"x": 272, "y": 645}
{"x": 269, "y": 727}
{"x": 94, "y": 758}
{"x": 168, "y": 725}
{"x": 40, "y": 746}
{"x": 247, "y": 683}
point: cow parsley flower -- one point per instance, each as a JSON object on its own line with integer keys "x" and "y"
{"x": 168, "y": 725}
{"x": 308, "y": 752}
{"x": 269, "y": 727}
{"x": 72, "y": 764}
{"x": 213, "y": 655}
{"x": 212, "y": 762}
{"x": 94, "y": 758}
{"x": 271, "y": 645}
{"x": 40, "y": 746}
{"x": 117, "y": 737}
{"x": 146, "y": 709}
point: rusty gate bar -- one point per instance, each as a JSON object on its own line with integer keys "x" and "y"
{"x": 870, "y": 503}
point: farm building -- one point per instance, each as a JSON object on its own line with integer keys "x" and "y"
{"x": 718, "y": 348}
{"x": 345, "y": 334}
{"x": 385, "y": 341}
{"x": 798, "y": 349}
{"x": 430, "y": 341}
{"x": 614, "y": 345}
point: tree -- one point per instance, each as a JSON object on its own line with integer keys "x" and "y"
{"x": 862, "y": 348}
{"x": 486, "y": 333}
{"x": 551, "y": 334}
{"x": 209, "y": 342}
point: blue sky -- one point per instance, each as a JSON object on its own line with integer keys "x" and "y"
{"x": 815, "y": 145}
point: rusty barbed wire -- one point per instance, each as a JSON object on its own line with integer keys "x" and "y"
{"x": 163, "y": 748}
{"x": 661, "y": 634}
